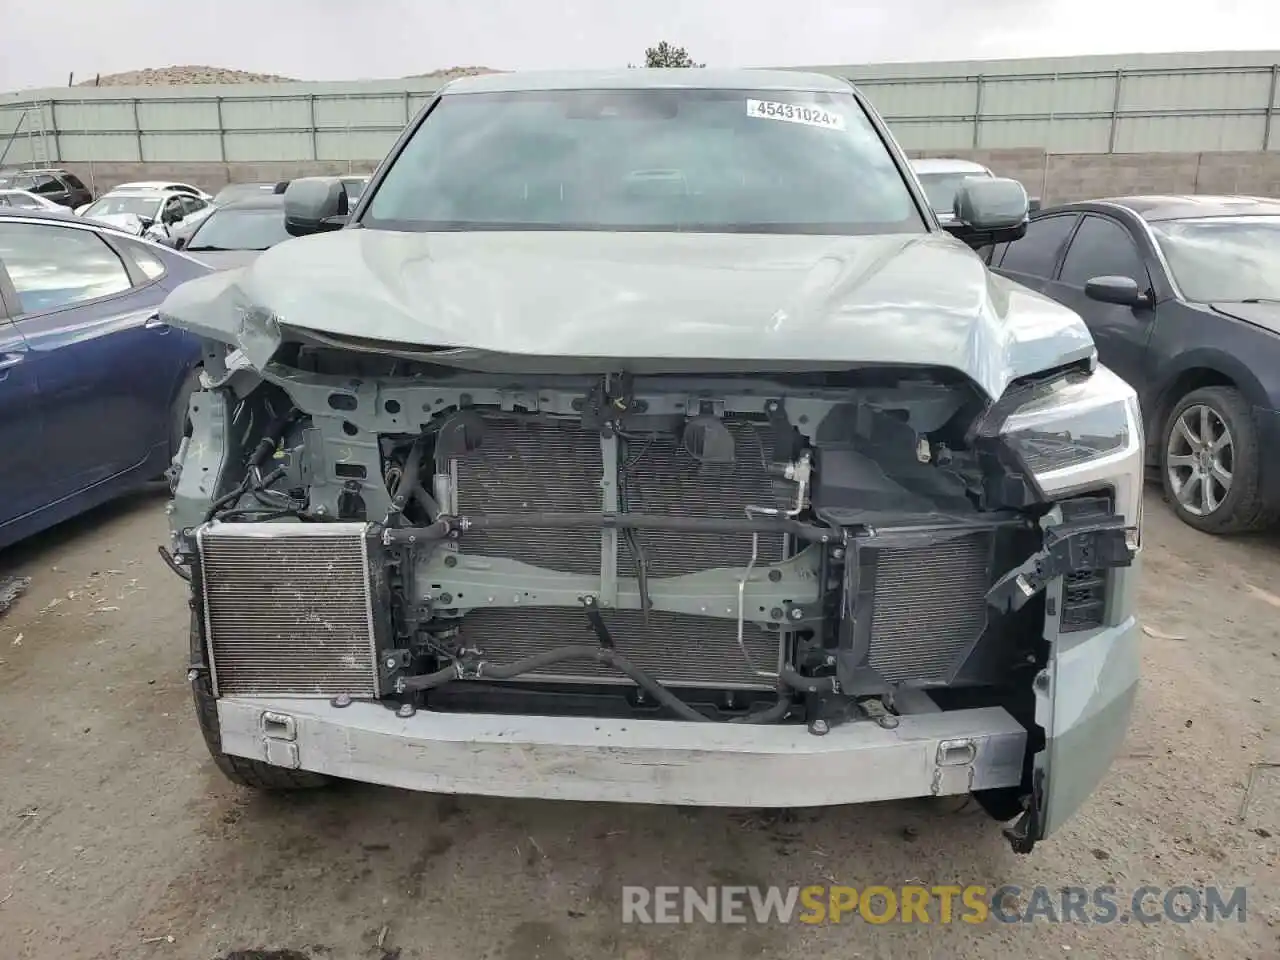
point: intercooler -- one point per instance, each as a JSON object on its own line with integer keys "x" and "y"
{"x": 288, "y": 609}
{"x": 528, "y": 465}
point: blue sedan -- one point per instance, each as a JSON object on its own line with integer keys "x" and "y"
{"x": 93, "y": 387}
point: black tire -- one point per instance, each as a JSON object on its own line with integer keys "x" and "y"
{"x": 1241, "y": 507}
{"x": 247, "y": 773}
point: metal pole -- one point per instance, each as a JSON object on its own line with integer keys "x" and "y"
{"x": 977, "y": 111}
{"x": 315, "y": 134}
{"x": 1115, "y": 111}
{"x": 53, "y": 120}
{"x": 44, "y": 134}
{"x": 222, "y": 133}
{"x": 1048, "y": 141}
{"x": 137, "y": 127}
{"x": 1271, "y": 108}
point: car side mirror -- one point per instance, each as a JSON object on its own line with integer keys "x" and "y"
{"x": 1122, "y": 291}
{"x": 989, "y": 210}
{"x": 1033, "y": 205}
{"x": 313, "y": 205}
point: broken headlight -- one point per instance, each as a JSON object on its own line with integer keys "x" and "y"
{"x": 1083, "y": 433}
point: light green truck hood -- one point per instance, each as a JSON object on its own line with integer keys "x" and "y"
{"x": 788, "y": 300}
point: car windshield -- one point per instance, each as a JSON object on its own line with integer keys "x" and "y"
{"x": 13, "y": 198}
{"x": 660, "y": 160}
{"x": 110, "y": 206}
{"x": 250, "y": 229}
{"x": 1223, "y": 258}
{"x": 242, "y": 191}
{"x": 941, "y": 188}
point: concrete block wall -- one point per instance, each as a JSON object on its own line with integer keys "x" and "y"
{"x": 1055, "y": 178}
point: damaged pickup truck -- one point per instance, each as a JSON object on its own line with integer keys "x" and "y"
{"x": 642, "y": 436}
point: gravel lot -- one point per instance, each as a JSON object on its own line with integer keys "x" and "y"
{"x": 119, "y": 839}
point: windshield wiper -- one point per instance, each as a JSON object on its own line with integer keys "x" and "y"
{"x": 218, "y": 249}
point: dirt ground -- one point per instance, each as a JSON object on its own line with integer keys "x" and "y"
{"x": 119, "y": 839}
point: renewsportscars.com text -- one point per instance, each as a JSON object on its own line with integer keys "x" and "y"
{"x": 942, "y": 904}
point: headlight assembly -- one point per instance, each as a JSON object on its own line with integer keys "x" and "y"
{"x": 1083, "y": 433}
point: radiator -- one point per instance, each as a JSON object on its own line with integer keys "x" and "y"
{"x": 526, "y": 465}
{"x": 288, "y": 609}
{"x": 929, "y": 607}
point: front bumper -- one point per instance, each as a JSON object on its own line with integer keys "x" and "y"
{"x": 633, "y": 761}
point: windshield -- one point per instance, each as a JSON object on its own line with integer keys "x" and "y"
{"x": 243, "y": 191}
{"x": 941, "y": 188}
{"x": 665, "y": 160}
{"x": 116, "y": 206}
{"x": 13, "y": 198}
{"x": 1223, "y": 258}
{"x": 240, "y": 230}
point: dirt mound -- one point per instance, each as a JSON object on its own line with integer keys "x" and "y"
{"x": 452, "y": 73}
{"x": 173, "y": 76}
{"x": 168, "y": 76}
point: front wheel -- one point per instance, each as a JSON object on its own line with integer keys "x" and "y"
{"x": 241, "y": 770}
{"x": 1209, "y": 463}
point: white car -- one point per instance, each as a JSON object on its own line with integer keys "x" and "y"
{"x": 152, "y": 185}
{"x": 941, "y": 178}
{"x": 28, "y": 200}
{"x": 150, "y": 213}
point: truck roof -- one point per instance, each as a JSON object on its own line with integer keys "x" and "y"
{"x": 646, "y": 79}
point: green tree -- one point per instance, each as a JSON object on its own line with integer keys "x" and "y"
{"x": 665, "y": 55}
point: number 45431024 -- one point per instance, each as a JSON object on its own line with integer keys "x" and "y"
{"x": 795, "y": 113}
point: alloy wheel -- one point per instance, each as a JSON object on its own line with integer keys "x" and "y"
{"x": 1200, "y": 459}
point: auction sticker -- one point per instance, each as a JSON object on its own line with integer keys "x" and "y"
{"x": 795, "y": 113}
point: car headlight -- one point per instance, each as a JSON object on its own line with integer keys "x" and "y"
{"x": 1081, "y": 434}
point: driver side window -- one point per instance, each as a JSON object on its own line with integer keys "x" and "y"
{"x": 1102, "y": 248}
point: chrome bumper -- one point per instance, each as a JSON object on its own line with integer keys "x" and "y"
{"x": 632, "y": 761}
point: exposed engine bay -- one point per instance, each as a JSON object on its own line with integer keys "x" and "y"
{"x": 770, "y": 548}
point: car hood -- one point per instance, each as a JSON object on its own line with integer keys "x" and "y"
{"x": 129, "y": 222}
{"x": 225, "y": 259}
{"x": 1265, "y": 315}
{"x": 754, "y": 300}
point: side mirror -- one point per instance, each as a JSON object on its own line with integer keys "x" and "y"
{"x": 1033, "y": 205}
{"x": 989, "y": 210}
{"x": 312, "y": 204}
{"x": 1122, "y": 291}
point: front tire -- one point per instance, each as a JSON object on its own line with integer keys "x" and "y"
{"x": 247, "y": 773}
{"x": 1210, "y": 464}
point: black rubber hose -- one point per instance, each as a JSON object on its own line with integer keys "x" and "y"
{"x": 773, "y": 714}
{"x": 173, "y": 564}
{"x": 610, "y": 658}
{"x": 793, "y": 679}
{"x": 271, "y": 438}
{"x": 409, "y": 476}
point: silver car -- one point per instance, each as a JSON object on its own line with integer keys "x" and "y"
{"x": 644, "y": 439}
